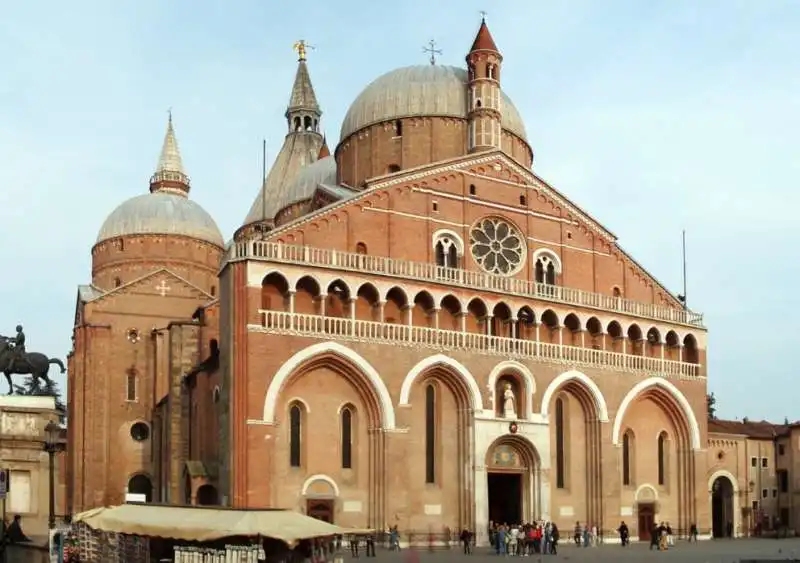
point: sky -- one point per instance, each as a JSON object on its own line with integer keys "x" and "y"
{"x": 655, "y": 116}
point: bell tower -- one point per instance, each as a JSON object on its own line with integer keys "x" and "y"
{"x": 483, "y": 82}
{"x": 303, "y": 113}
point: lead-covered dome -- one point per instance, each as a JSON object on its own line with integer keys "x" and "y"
{"x": 161, "y": 213}
{"x": 422, "y": 90}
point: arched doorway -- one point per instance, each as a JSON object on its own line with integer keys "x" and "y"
{"x": 513, "y": 481}
{"x": 141, "y": 485}
{"x": 207, "y": 495}
{"x": 722, "y": 507}
{"x": 320, "y": 492}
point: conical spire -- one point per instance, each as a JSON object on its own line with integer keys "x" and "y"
{"x": 169, "y": 175}
{"x": 324, "y": 151}
{"x": 483, "y": 40}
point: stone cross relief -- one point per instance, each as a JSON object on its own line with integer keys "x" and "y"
{"x": 163, "y": 288}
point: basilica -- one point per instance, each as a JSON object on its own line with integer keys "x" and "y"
{"x": 413, "y": 330}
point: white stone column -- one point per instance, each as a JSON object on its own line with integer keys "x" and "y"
{"x": 291, "y": 300}
{"x": 322, "y": 300}
{"x": 481, "y": 504}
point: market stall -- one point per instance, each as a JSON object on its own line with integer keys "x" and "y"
{"x": 141, "y": 533}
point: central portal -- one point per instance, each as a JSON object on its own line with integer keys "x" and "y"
{"x": 512, "y": 481}
{"x": 505, "y": 498}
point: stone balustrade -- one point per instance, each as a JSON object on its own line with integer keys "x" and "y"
{"x": 279, "y": 322}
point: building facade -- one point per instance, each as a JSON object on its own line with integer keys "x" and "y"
{"x": 23, "y": 420}
{"x": 415, "y": 330}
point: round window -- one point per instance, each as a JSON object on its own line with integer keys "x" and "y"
{"x": 140, "y": 432}
{"x": 497, "y": 246}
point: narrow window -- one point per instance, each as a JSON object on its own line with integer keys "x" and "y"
{"x": 440, "y": 254}
{"x": 452, "y": 256}
{"x": 560, "y": 443}
{"x": 626, "y": 459}
{"x": 435, "y": 206}
{"x": 347, "y": 439}
{"x": 130, "y": 390}
{"x": 523, "y": 200}
{"x": 392, "y": 168}
{"x": 753, "y": 462}
{"x": 550, "y": 278}
{"x": 213, "y": 291}
{"x": 539, "y": 271}
{"x": 430, "y": 434}
{"x": 295, "y": 416}
{"x": 361, "y": 248}
{"x": 472, "y": 189}
{"x": 117, "y": 282}
{"x": 662, "y": 469}
{"x": 398, "y": 128}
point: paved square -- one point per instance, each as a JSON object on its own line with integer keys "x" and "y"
{"x": 723, "y": 551}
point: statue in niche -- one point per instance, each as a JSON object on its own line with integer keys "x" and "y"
{"x": 509, "y": 407}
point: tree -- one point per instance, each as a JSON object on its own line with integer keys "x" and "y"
{"x": 711, "y": 406}
{"x": 32, "y": 388}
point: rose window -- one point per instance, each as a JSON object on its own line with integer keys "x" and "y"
{"x": 497, "y": 246}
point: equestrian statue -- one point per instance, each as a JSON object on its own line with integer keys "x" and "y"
{"x": 14, "y": 360}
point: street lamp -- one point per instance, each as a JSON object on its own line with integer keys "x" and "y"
{"x": 52, "y": 445}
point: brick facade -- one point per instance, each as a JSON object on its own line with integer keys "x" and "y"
{"x": 356, "y": 362}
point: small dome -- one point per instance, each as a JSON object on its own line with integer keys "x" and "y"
{"x": 161, "y": 213}
{"x": 322, "y": 171}
{"x": 423, "y": 90}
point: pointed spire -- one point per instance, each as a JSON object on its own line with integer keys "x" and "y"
{"x": 483, "y": 40}
{"x": 324, "y": 151}
{"x": 169, "y": 175}
{"x": 303, "y": 96}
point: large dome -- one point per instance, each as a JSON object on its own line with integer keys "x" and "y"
{"x": 161, "y": 213}
{"x": 424, "y": 90}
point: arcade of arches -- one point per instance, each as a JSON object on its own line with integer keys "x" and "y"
{"x": 556, "y": 468}
{"x": 364, "y": 302}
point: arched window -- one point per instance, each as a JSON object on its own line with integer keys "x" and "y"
{"x": 626, "y": 459}
{"x": 295, "y": 435}
{"x": 130, "y": 387}
{"x": 398, "y": 128}
{"x": 545, "y": 270}
{"x": 430, "y": 434}
{"x": 560, "y": 457}
{"x": 117, "y": 282}
{"x": 213, "y": 291}
{"x": 308, "y": 123}
{"x": 347, "y": 438}
{"x": 662, "y": 458}
{"x": 361, "y": 248}
{"x": 297, "y": 124}
{"x": 447, "y": 251}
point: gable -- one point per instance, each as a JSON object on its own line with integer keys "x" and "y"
{"x": 390, "y": 195}
{"x": 161, "y": 291}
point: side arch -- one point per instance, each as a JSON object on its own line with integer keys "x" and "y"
{"x": 645, "y": 487}
{"x": 320, "y": 477}
{"x": 301, "y": 357}
{"x": 723, "y": 473}
{"x": 524, "y": 373}
{"x": 441, "y": 359}
{"x": 674, "y": 392}
{"x": 591, "y": 386}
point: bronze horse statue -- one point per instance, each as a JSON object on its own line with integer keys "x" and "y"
{"x": 33, "y": 363}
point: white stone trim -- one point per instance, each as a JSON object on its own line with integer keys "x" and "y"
{"x": 280, "y": 377}
{"x": 430, "y": 361}
{"x": 320, "y": 477}
{"x": 641, "y": 488}
{"x": 527, "y": 377}
{"x": 691, "y": 419}
{"x": 737, "y": 511}
{"x": 548, "y": 253}
{"x": 591, "y": 386}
